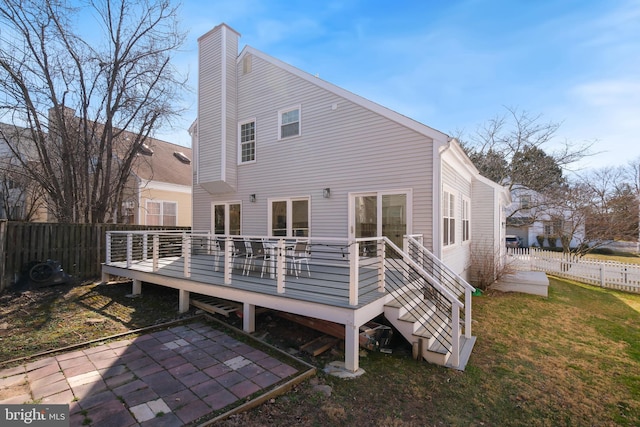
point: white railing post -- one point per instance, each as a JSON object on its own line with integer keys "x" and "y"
{"x": 281, "y": 265}
{"x": 467, "y": 313}
{"x": 156, "y": 251}
{"x": 228, "y": 267}
{"x": 354, "y": 267}
{"x": 602, "y": 275}
{"x": 145, "y": 247}
{"x": 108, "y": 255}
{"x": 455, "y": 335}
{"x": 382, "y": 262}
{"x": 186, "y": 253}
{"x": 129, "y": 249}
{"x": 405, "y": 255}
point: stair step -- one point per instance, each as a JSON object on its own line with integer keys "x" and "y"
{"x": 419, "y": 311}
{"x": 407, "y": 295}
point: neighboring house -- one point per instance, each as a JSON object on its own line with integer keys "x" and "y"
{"x": 317, "y": 202}
{"x": 535, "y": 222}
{"x": 20, "y": 199}
{"x": 159, "y": 192}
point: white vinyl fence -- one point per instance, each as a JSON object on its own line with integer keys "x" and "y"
{"x": 607, "y": 274}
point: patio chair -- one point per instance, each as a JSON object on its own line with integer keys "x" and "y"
{"x": 240, "y": 251}
{"x": 258, "y": 251}
{"x": 300, "y": 254}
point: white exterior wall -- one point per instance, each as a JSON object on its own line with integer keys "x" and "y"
{"x": 488, "y": 227}
{"x": 343, "y": 146}
{"x": 457, "y": 179}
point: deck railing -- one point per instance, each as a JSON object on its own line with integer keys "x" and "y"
{"x": 330, "y": 268}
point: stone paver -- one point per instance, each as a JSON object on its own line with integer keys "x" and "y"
{"x": 163, "y": 379}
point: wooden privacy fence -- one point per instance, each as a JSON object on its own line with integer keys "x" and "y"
{"x": 80, "y": 248}
{"x": 606, "y": 274}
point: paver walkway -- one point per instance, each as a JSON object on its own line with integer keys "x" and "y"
{"x": 166, "y": 378}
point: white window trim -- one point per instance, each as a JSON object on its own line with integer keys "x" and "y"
{"x": 289, "y": 201}
{"x": 286, "y": 110}
{"x": 162, "y": 202}
{"x": 226, "y": 215}
{"x": 452, "y": 215}
{"x": 255, "y": 141}
{"x": 466, "y": 201}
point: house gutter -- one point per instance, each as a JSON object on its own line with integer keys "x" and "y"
{"x": 438, "y": 151}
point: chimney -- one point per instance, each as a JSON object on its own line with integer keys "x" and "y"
{"x": 217, "y": 106}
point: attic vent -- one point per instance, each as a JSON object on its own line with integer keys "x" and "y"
{"x": 146, "y": 150}
{"x": 246, "y": 64}
{"x": 182, "y": 157}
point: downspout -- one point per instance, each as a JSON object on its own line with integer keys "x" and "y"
{"x": 438, "y": 150}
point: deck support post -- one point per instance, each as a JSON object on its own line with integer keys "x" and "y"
{"x": 136, "y": 287}
{"x": 183, "y": 301}
{"x": 248, "y": 318}
{"x": 351, "y": 347}
{"x": 354, "y": 270}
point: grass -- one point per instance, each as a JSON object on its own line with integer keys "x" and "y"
{"x": 571, "y": 359}
{"x": 59, "y": 316}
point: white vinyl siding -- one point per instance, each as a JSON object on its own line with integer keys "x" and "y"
{"x": 343, "y": 146}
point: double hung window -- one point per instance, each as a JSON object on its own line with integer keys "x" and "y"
{"x": 289, "y": 122}
{"x": 466, "y": 220}
{"x": 247, "y": 144}
{"x": 161, "y": 213}
{"x": 448, "y": 218}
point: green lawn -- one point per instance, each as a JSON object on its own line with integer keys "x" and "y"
{"x": 572, "y": 359}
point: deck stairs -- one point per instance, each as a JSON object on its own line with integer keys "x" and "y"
{"x": 421, "y": 310}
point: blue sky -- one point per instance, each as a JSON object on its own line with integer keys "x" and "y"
{"x": 453, "y": 65}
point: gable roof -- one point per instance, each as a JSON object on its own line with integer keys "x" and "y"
{"x": 164, "y": 165}
{"x": 403, "y": 120}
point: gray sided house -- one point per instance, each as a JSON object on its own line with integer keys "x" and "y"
{"x": 316, "y": 202}
{"x": 291, "y": 154}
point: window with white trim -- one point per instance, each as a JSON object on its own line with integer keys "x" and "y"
{"x": 161, "y": 213}
{"x": 227, "y": 218}
{"x": 247, "y": 143}
{"x": 448, "y": 218}
{"x": 289, "y": 122}
{"x": 289, "y": 217}
{"x": 466, "y": 219}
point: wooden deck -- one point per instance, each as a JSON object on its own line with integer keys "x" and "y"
{"x": 326, "y": 284}
{"x": 344, "y": 284}
{"x": 326, "y": 294}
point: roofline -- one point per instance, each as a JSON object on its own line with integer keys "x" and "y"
{"x": 216, "y": 28}
{"x": 408, "y": 122}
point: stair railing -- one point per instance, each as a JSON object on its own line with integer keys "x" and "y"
{"x": 445, "y": 275}
{"x": 444, "y": 298}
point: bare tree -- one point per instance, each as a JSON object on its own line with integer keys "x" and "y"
{"x": 632, "y": 175}
{"x": 512, "y": 149}
{"x": 89, "y": 104}
{"x": 605, "y": 203}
